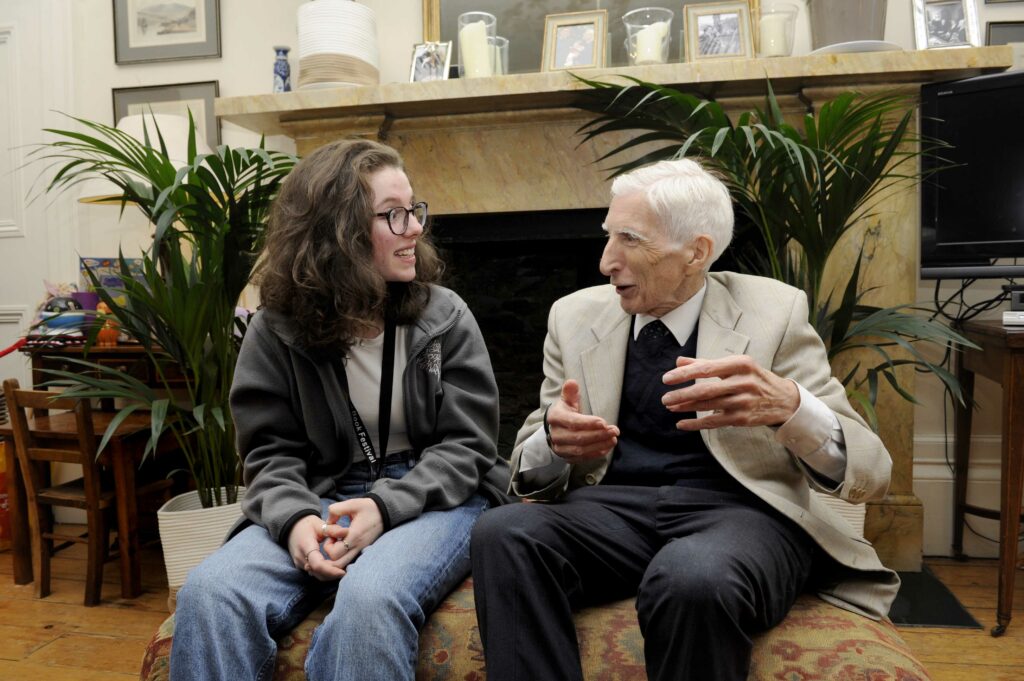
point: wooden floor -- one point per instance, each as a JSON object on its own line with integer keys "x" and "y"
{"x": 58, "y": 638}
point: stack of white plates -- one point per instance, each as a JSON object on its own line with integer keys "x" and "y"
{"x": 337, "y": 44}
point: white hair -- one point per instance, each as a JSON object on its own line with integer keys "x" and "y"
{"x": 687, "y": 199}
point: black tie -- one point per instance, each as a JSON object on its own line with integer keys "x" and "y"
{"x": 653, "y": 334}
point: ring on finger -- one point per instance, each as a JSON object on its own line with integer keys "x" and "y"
{"x": 348, "y": 547}
{"x": 323, "y": 529}
{"x": 308, "y": 554}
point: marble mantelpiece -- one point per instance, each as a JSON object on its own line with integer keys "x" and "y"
{"x": 509, "y": 144}
{"x": 272, "y": 113}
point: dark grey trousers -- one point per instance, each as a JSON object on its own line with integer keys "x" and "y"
{"x": 709, "y": 568}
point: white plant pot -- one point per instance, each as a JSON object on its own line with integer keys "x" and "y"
{"x": 189, "y": 533}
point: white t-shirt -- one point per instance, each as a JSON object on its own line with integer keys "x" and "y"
{"x": 363, "y": 368}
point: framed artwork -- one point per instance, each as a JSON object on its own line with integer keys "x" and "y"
{"x": 946, "y": 23}
{"x": 574, "y": 40}
{"x": 1004, "y": 32}
{"x": 430, "y": 61}
{"x": 523, "y": 24}
{"x": 153, "y": 30}
{"x": 718, "y": 30}
{"x": 173, "y": 99}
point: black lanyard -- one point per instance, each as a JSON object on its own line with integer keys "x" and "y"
{"x": 387, "y": 374}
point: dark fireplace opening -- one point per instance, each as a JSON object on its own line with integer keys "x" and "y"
{"x": 510, "y": 268}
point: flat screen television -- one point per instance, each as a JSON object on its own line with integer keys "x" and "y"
{"x": 973, "y": 213}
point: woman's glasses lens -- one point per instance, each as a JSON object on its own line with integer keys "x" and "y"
{"x": 398, "y": 217}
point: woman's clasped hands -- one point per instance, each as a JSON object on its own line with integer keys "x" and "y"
{"x": 324, "y": 549}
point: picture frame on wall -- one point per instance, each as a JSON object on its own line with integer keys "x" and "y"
{"x": 154, "y": 30}
{"x": 430, "y": 61}
{"x": 946, "y": 23}
{"x": 718, "y": 30}
{"x": 173, "y": 99}
{"x": 1004, "y": 32}
{"x": 574, "y": 40}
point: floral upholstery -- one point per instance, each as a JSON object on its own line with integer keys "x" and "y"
{"x": 816, "y": 641}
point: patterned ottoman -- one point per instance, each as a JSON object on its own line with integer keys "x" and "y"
{"x": 815, "y": 641}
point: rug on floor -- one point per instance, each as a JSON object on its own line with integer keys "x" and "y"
{"x": 924, "y": 601}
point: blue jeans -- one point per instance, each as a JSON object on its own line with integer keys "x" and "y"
{"x": 237, "y": 601}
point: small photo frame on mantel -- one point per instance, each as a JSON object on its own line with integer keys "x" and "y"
{"x": 430, "y": 61}
{"x": 173, "y": 99}
{"x": 718, "y": 30}
{"x": 155, "y": 30}
{"x": 946, "y": 23}
{"x": 574, "y": 40}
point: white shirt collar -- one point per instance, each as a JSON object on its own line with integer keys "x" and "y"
{"x": 681, "y": 320}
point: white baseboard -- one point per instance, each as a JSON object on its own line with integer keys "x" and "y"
{"x": 933, "y": 485}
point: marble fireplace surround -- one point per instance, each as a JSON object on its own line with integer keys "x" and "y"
{"x": 508, "y": 144}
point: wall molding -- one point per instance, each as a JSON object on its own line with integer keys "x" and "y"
{"x": 12, "y": 225}
{"x": 12, "y": 314}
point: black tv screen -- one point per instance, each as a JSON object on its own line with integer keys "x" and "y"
{"x": 973, "y": 213}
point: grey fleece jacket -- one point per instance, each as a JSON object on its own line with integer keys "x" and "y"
{"x": 295, "y": 432}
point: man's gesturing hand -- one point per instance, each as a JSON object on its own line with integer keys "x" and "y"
{"x": 745, "y": 394}
{"x": 578, "y": 437}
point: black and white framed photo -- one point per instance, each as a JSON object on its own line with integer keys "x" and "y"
{"x": 430, "y": 61}
{"x": 173, "y": 99}
{"x": 155, "y": 30}
{"x": 574, "y": 40}
{"x": 946, "y": 23}
{"x": 718, "y": 30}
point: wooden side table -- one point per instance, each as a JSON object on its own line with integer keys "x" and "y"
{"x": 1000, "y": 358}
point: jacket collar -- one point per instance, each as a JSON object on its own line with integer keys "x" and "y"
{"x": 719, "y": 316}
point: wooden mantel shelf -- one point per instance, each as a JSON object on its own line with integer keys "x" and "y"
{"x": 271, "y": 113}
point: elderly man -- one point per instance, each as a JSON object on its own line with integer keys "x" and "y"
{"x": 685, "y": 417}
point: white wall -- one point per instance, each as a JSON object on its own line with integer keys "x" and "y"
{"x": 77, "y": 75}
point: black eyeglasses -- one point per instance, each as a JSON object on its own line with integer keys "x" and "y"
{"x": 398, "y": 217}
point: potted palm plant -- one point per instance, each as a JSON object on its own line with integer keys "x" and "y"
{"x": 798, "y": 192}
{"x": 208, "y": 217}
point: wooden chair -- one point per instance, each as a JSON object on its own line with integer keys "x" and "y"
{"x": 88, "y": 492}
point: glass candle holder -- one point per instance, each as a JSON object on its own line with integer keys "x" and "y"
{"x": 777, "y": 28}
{"x": 476, "y": 56}
{"x": 499, "y": 56}
{"x": 648, "y": 34}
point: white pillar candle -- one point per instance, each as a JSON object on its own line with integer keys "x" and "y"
{"x": 773, "y": 35}
{"x": 476, "y": 53}
{"x": 648, "y": 43}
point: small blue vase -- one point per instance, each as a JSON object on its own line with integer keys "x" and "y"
{"x": 282, "y": 71}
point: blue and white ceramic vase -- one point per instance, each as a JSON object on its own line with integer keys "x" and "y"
{"x": 282, "y": 71}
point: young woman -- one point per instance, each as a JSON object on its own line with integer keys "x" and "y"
{"x": 367, "y": 414}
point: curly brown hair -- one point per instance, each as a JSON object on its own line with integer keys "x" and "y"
{"x": 317, "y": 266}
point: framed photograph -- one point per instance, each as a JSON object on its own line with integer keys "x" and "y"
{"x": 946, "y": 23}
{"x": 718, "y": 30}
{"x": 430, "y": 61}
{"x": 154, "y": 30}
{"x": 1004, "y": 32}
{"x": 574, "y": 40}
{"x": 173, "y": 99}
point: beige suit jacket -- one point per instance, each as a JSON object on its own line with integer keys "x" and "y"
{"x": 742, "y": 315}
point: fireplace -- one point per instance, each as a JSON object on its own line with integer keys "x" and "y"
{"x": 510, "y": 267}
